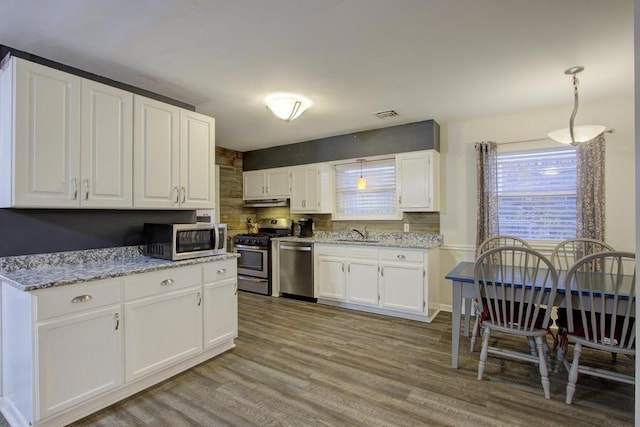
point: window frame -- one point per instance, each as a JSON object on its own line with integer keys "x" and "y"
{"x": 538, "y": 240}
{"x": 396, "y": 215}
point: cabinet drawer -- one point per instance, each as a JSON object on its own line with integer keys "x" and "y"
{"x": 70, "y": 299}
{"x": 362, "y": 252}
{"x": 157, "y": 282}
{"x": 329, "y": 250}
{"x": 402, "y": 255}
{"x": 220, "y": 270}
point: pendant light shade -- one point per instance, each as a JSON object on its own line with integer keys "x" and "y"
{"x": 287, "y": 106}
{"x": 575, "y": 135}
{"x": 362, "y": 182}
{"x": 580, "y": 134}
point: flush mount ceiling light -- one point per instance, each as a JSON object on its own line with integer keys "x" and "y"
{"x": 287, "y": 106}
{"x": 575, "y": 134}
{"x": 362, "y": 182}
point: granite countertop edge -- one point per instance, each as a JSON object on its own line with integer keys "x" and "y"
{"x": 392, "y": 240}
{"x": 50, "y": 270}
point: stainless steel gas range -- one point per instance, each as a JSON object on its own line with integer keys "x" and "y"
{"x": 254, "y": 264}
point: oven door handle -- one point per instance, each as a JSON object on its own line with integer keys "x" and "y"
{"x": 261, "y": 248}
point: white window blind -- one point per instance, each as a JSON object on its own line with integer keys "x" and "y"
{"x": 537, "y": 193}
{"x": 376, "y": 201}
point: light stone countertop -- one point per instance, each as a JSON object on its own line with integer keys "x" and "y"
{"x": 33, "y": 272}
{"x": 395, "y": 240}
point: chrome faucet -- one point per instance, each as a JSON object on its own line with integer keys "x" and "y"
{"x": 364, "y": 234}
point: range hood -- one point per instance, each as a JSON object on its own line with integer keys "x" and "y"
{"x": 265, "y": 203}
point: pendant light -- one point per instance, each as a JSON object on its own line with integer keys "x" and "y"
{"x": 287, "y": 106}
{"x": 362, "y": 182}
{"x": 575, "y": 134}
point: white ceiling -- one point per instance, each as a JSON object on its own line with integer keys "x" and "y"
{"x": 447, "y": 60}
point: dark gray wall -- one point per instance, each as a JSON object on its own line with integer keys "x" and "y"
{"x": 396, "y": 139}
{"x": 32, "y": 231}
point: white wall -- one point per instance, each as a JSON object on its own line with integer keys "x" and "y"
{"x": 458, "y": 185}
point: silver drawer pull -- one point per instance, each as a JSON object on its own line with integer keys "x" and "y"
{"x": 222, "y": 271}
{"x": 401, "y": 257}
{"x": 166, "y": 282}
{"x": 81, "y": 298}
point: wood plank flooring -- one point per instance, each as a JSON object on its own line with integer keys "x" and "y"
{"x": 303, "y": 364}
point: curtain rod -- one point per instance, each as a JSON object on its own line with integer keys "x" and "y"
{"x": 523, "y": 140}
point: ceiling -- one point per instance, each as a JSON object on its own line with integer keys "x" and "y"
{"x": 447, "y": 60}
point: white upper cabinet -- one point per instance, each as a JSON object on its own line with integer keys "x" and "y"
{"x": 70, "y": 140}
{"x": 197, "y": 160}
{"x": 417, "y": 181}
{"x": 106, "y": 147}
{"x": 40, "y": 136}
{"x": 266, "y": 184}
{"x": 156, "y": 154}
{"x": 173, "y": 156}
{"x": 310, "y": 189}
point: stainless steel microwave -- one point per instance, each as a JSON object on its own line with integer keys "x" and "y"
{"x": 184, "y": 241}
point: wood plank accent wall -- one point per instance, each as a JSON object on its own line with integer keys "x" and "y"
{"x": 235, "y": 216}
{"x": 231, "y": 211}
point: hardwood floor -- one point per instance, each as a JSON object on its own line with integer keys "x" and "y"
{"x": 303, "y": 364}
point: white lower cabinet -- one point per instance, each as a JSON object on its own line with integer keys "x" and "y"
{"x": 362, "y": 276}
{"x": 71, "y": 350}
{"x": 382, "y": 280}
{"x": 329, "y": 274}
{"x": 220, "y": 294}
{"x": 402, "y": 282}
{"x": 162, "y": 330}
{"x": 79, "y": 357}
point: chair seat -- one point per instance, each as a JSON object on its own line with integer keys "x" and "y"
{"x": 538, "y": 322}
{"x": 581, "y": 330}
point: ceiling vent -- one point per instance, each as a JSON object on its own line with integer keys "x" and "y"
{"x": 386, "y": 114}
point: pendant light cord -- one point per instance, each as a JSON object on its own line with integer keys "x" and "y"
{"x": 575, "y": 108}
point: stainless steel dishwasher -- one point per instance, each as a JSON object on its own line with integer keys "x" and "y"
{"x": 296, "y": 268}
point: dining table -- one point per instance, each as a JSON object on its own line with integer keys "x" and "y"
{"x": 463, "y": 288}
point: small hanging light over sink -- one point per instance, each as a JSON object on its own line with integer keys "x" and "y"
{"x": 362, "y": 182}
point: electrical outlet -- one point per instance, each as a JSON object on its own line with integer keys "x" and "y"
{"x": 406, "y": 226}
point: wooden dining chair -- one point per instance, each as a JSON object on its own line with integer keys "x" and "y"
{"x": 563, "y": 257}
{"x": 513, "y": 299}
{"x": 605, "y": 323}
{"x": 567, "y": 252}
{"x": 491, "y": 243}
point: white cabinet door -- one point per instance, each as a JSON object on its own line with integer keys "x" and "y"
{"x": 162, "y": 330}
{"x": 156, "y": 155}
{"x": 79, "y": 357}
{"x": 253, "y": 187}
{"x": 402, "y": 286}
{"x": 197, "y": 160}
{"x": 330, "y": 275}
{"x": 298, "y": 190}
{"x": 220, "y": 312}
{"x": 266, "y": 183}
{"x": 46, "y": 136}
{"x": 106, "y": 147}
{"x": 417, "y": 181}
{"x": 305, "y": 190}
{"x": 277, "y": 183}
{"x": 362, "y": 281}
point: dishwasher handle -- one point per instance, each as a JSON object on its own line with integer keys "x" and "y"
{"x": 296, "y": 248}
